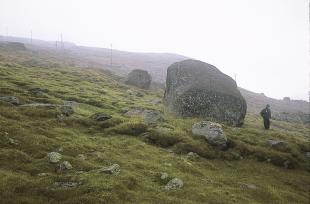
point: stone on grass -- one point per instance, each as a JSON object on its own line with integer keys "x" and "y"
{"x": 36, "y": 91}
{"x": 139, "y": 78}
{"x": 10, "y": 99}
{"x": 197, "y": 89}
{"x": 175, "y": 183}
{"x": 192, "y": 155}
{"x": 248, "y": 186}
{"x": 113, "y": 169}
{"x": 279, "y": 145}
{"x": 100, "y": 117}
{"x": 63, "y": 166}
{"x": 40, "y": 105}
{"x": 67, "y": 184}
{"x": 66, "y": 110}
{"x": 212, "y": 132}
{"x": 152, "y": 116}
{"x": 163, "y": 176}
{"x": 81, "y": 157}
{"x": 54, "y": 157}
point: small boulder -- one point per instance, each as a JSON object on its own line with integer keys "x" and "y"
{"x": 54, "y": 157}
{"x": 175, "y": 183}
{"x": 100, "y": 117}
{"x": 152, "y": 116}
{"x": 67, "y": 184}
{"x": 134, "y": 112}
{"x": 248, "y": 186}
{"x": 139, "y": 78}
{"x": 10, "y": 99}
{"x": 40, "y": 105}
{"x": 36, "y": 91}
{"x": 113, "y": 169}
{"x": 70, "y": 103}
{"x": 212, "y": 132}
{"x": 156, "y": 101}
{"x": 279, "y": 145}
{"x": 192, "y": 156}
{"x": 63, "y": 166}
{"x": 66, "y": 110}
{"x": 81, "y": 157}
{"x": 163, "y": 176}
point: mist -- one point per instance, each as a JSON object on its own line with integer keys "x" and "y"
{"x": 264, "y": 43}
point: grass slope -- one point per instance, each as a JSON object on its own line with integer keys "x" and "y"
{"x": 28, "y": 134}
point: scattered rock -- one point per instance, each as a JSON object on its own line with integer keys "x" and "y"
{"x": 35, "y": 91}
{"x": 63, "y": 166}
{"x": 248, "y": 186}
{"x": 163, "y": 176}
{"x": 195, "y": 88}
{"x": 40, "y": 105}
{"x": 114, "y": 169}
{"x": 10, "y": 99}
{"x": 308, "y": 155}
{"x": 60, "y": 149}
{"x": 279, "y": 145}
{"x": 67, "y": 184}
{"x": 13, "y": 142}
{"x": 100, "y": 117}
{"x": 139, "y": 94}
{"x": 134, "y": 112}
{"x": 54, "y": 157}
{"x": 175, "y": 183}
{"x": 66, "y": 110}
{"x": 152, "y": 116}
{"x": 192, "y": 155}
{"x": 70, "y": 103}
{"x": 212, "y": 132}
{"x": 139, "y": 78}
{"x": 81, "y": 157}
{"x": 42, "y": 174}
{"x": 156, "y": 101}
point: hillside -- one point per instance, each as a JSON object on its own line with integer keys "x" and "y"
{"x": 249, "y": 171}
{"x": 122, "y": 62}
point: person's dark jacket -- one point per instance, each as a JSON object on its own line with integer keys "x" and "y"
{"x": 266, "y": 113}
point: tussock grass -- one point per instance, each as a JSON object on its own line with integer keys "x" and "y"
{"x": 213, "y": 178}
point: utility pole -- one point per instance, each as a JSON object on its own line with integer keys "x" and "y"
{"x": 111, "y": 56}
{"x": 61, "y": 42}
{"x": 7, "y": 33}
{"x": 31, "y": 37}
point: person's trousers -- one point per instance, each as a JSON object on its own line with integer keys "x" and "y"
{"x": 266, "y": 123}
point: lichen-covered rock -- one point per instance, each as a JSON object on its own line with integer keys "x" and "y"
{"x": 212, "y": 132}
{"x": 175, "y": 183}
{"x": 10, "y": 99}
{"x": 279, "y": 145}
{"x": 152, "y": 116}
{"x": 66, "y": 110}
{"x": 113, "y": 169}
{"x": 63, "y": 166}
{"x": 195, "y": 88}
{"x": 139, "y": 78}
{"x": 100, "y": 117}
{"x": 40, "y": 105}
{"x": 54, "y": 157}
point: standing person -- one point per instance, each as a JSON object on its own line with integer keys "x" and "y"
{"x": 266, "y": 114}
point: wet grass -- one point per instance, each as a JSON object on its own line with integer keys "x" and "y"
{"x": 142, "y": 151}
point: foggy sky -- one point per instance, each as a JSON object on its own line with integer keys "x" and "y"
{"x": 265, "y": 42}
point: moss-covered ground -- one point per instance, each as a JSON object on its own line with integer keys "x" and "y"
{"x": 27, "y": 134}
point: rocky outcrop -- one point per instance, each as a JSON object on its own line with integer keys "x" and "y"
{"x": 195, "y": 88}
{"x": 139, "y": 78}
{"x": 212, "y": 132}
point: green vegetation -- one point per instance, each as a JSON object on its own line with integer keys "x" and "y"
{"x": 143, "y": 151}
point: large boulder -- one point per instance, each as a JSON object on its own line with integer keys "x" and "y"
{"x": 195, "y": 88}
{"x": 139, "y": 78}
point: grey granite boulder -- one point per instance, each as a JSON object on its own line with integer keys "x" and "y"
{"x": 10, "y": 99}
{"x": 175, "y": 183}
{"x": 279, "y": 145}
{"x": 54, "y": 157}
{"x": 139, "y": 78}
{"x": 212, "y": 132}
{"x": 195, "y": 88}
